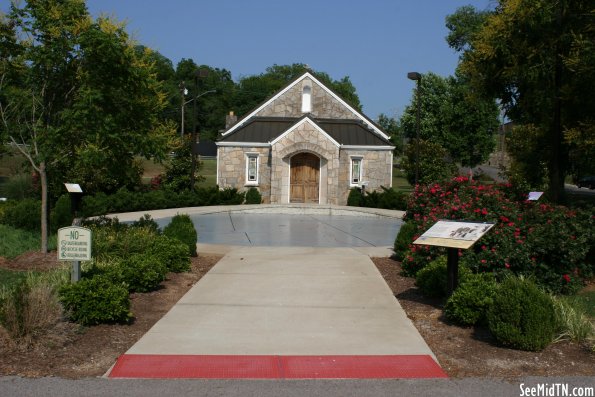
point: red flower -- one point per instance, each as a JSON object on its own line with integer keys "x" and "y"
{"x": 566, "y": 277}
{"x": 506, "y": 265}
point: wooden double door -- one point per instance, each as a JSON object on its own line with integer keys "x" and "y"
{"x": 304, "y": 178}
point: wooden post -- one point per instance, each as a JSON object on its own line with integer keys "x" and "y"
{"x": 452, "y": 268}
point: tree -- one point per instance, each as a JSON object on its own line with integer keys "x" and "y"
{"x": 536, "y": 56}
{"x": 207, "y": 113}
{"x": 254, "y": 90}
{"x": 434, "y": 163}
{"x": 80, "y": 101}
{"x": 453, "y": 118}
{"x": 391, "y": 126}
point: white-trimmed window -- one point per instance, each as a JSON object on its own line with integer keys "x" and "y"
{"x": 355, "y": 174}
{"x": 252, "y": 164}
{"x": 307, "y": 99}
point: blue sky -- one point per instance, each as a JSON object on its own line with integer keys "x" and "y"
{"x": 374, "y": 42}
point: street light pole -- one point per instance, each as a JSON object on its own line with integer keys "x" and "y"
{"x": 417, "y": 78}
{"x": 201, "y": 73}
{"x": 183, "y": 91}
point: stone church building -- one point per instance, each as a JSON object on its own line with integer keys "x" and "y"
{"x": 304, "y": 145}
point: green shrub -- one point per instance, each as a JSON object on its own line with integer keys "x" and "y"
{"x": 522, "y": 316}
{"x": 172, "y": 253}
{"x": 554, "y": 244}
{"x": 141, "y": 272}
{"x": 97, "y": 204}
{"x": 25, "y": 214}
{"x": 182, "y": 229}
{"x": 61, "y": 215}
{"x": 355, "y": 198}
{"x": 121, "y": 241}
{"x": 432, "y": 279}
{"x": 229, "y": 196}
{"x": 470, "y": 302}
{"x": 404, "y": 239}
{"x": 388, "y": 199}
{"x": 253, "y": 196}
{"x": 96, "y": 300}
{"x": 147, "y": 222}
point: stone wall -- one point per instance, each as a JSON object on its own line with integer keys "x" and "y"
{"x": 305, "y": 138}
{"x": 232, "y": 169}
{"x": 376, "y": 170}
{"x": 289, "y": 104}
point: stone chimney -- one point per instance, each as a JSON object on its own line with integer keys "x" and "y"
{"x": 230, "y": 120}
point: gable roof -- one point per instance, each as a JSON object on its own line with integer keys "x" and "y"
{"x": 343, "y": 131}
{"x": 373, "y": 126}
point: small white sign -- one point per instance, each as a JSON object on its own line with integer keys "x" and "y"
{"x": 73, "y": 188}
{"x": 534, "y": 196}
{"x": 74, "y": 244}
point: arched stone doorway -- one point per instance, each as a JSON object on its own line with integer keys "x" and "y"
{"x": 304, "y": 179}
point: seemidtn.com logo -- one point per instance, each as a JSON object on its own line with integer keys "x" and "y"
{"x": 556, "y": 390}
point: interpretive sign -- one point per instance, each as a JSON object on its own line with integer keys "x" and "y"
{"x": 74, "y": 244}
{"x": 454, "y": 234}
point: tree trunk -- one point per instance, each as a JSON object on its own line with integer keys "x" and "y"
{"x": 558, "y": 156}
{"x": 44, "y": 207}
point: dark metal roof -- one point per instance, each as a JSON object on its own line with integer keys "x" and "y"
{"x": 344, "y": 131}
{"x": 205, "y": 148}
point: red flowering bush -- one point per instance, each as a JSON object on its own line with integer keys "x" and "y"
{"x": 552, "y": 243}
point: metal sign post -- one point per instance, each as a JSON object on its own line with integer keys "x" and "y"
{"x": 453, "y": 235}
{"x": 74, "y": 244}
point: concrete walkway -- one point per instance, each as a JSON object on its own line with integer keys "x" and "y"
{"x": 284, "y": 302}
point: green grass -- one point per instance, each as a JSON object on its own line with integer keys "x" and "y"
{"x": 14, "y": 241}
{"x": 587, "y": 299}
{"x": 8, "y": 278}
{"x": 208, "y": 169}
{"x": 400, "y": 182}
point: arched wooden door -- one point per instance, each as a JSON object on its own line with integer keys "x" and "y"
{"x": 304, "y": 178}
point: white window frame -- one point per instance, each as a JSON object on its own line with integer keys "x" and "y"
{"x": 250, "y": 156}
{"x": 307, "y": 99}
{"x": 353, "y": 159}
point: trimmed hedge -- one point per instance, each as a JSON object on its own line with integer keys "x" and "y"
{"x": 171, "y": 252}
{"x": 388, "y": 198}
{"x": 182, "y": 229}
{"x": 253, "y": 196}
{"x": 470, "y": 302}
{"x": 404, "y": 239}
{"x": 126, "y": 201}
{"x": 432, "y": 279}
{"x": 96, "y": 300}
{"x": 522, "y": 316}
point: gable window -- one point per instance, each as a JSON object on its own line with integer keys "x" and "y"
{"x": 307, "y": 99}
{"x": 356, "y": 171}
{"x": 252, "y": 169}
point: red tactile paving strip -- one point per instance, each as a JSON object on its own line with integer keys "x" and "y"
{"x": 275, "y": 367}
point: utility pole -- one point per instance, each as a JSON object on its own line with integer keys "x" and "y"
{"x": 417, "y": 78}
{"x": 183, "y": 92}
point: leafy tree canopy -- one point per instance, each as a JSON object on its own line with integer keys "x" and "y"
{"x": 78, "y": 97}
{"x": 537, "y": 57}
{"x": 453, "y": 118}
{"x": 392, "y": 127}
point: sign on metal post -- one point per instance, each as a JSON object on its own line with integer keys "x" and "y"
{"x": 453, "y": 235}
{"x": 74, "y": 244}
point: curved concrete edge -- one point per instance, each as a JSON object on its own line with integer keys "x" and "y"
{"x": 295, "y": 209}
{"x": 223, "y": 249}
